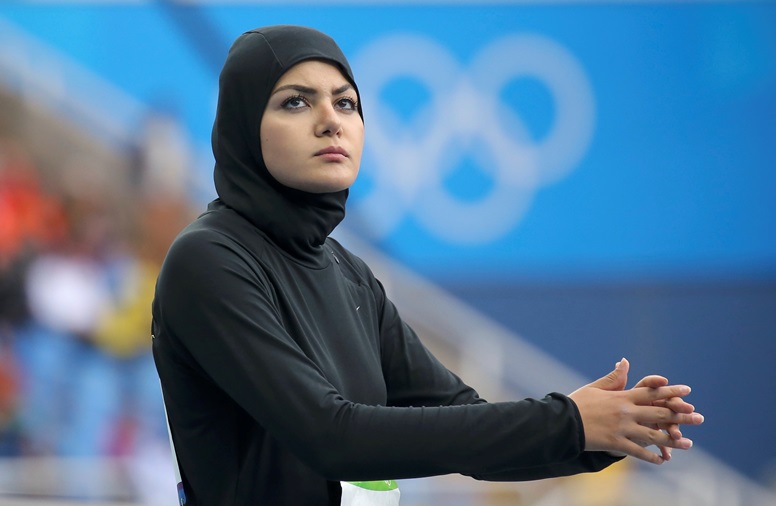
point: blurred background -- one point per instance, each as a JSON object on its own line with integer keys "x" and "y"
{"x": 546, "y": 188}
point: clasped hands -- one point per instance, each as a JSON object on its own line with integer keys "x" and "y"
{"x": 626, "y": 422}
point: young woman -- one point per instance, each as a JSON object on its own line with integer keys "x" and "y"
{"x": 286, "y": 370}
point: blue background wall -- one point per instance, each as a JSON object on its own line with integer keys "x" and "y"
{"x": 649, "y": 234}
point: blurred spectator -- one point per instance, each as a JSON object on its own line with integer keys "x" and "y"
{"x": 31, "y": 219}
{"x": 80, "y": 249}
{"x": 67, "y": 289}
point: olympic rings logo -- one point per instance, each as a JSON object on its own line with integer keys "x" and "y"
{"x": 407, "y": 162}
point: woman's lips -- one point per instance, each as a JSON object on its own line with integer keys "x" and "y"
{"x": 332, "y": 153}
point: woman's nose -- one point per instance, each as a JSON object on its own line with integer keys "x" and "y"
{"x": 329, "y": 122}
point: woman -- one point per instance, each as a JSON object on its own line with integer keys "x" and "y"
{"x": 286, "y": 370}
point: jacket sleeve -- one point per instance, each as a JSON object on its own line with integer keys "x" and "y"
{"x": 585, "y": 462}
{"x": 413, "y": 375}
{"x": 219, "y": 309}
{"x": 416, "y": 378}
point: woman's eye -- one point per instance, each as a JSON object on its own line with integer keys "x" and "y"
{"x": 347, "y": 104}
{"x": 296, "y": 102}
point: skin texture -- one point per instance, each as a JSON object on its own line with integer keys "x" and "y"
{"x": 312, "y": 108}
{"x": 627, "y": 422}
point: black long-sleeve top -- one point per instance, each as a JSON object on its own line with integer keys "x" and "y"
{"x": 280, "y": 378}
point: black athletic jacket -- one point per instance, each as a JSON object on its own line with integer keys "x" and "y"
{"x": 284, "y": 366}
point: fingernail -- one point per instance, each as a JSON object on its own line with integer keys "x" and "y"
{"x": 685, "y": 389}
{"x": 697, "y": 418}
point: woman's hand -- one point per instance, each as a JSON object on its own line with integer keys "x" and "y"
{"x": 627, "y": 421}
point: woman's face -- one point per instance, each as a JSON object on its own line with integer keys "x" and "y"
{"x": 311, "y": 132}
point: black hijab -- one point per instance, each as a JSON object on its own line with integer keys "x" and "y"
{"x": 297, "y": 221}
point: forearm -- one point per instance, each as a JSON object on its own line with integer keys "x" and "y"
{"x": 372, "y": 442}
{"x": 587, "y": 462}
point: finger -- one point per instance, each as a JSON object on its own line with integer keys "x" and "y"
{"x": 615, "y": 380}
{"x": 676, "y": 405}
{"x": 649, "y": 437}
{"x": 663, "y": 417}
{"x": 653, "y": 381}
{"x": 641, "y": 453}
{"x": 673, "y": 431}
{"x": 645, "y": 396}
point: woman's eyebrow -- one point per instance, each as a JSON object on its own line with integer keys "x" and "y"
{"x": 342, "y": 89}
{"x": 311, "y": 91}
